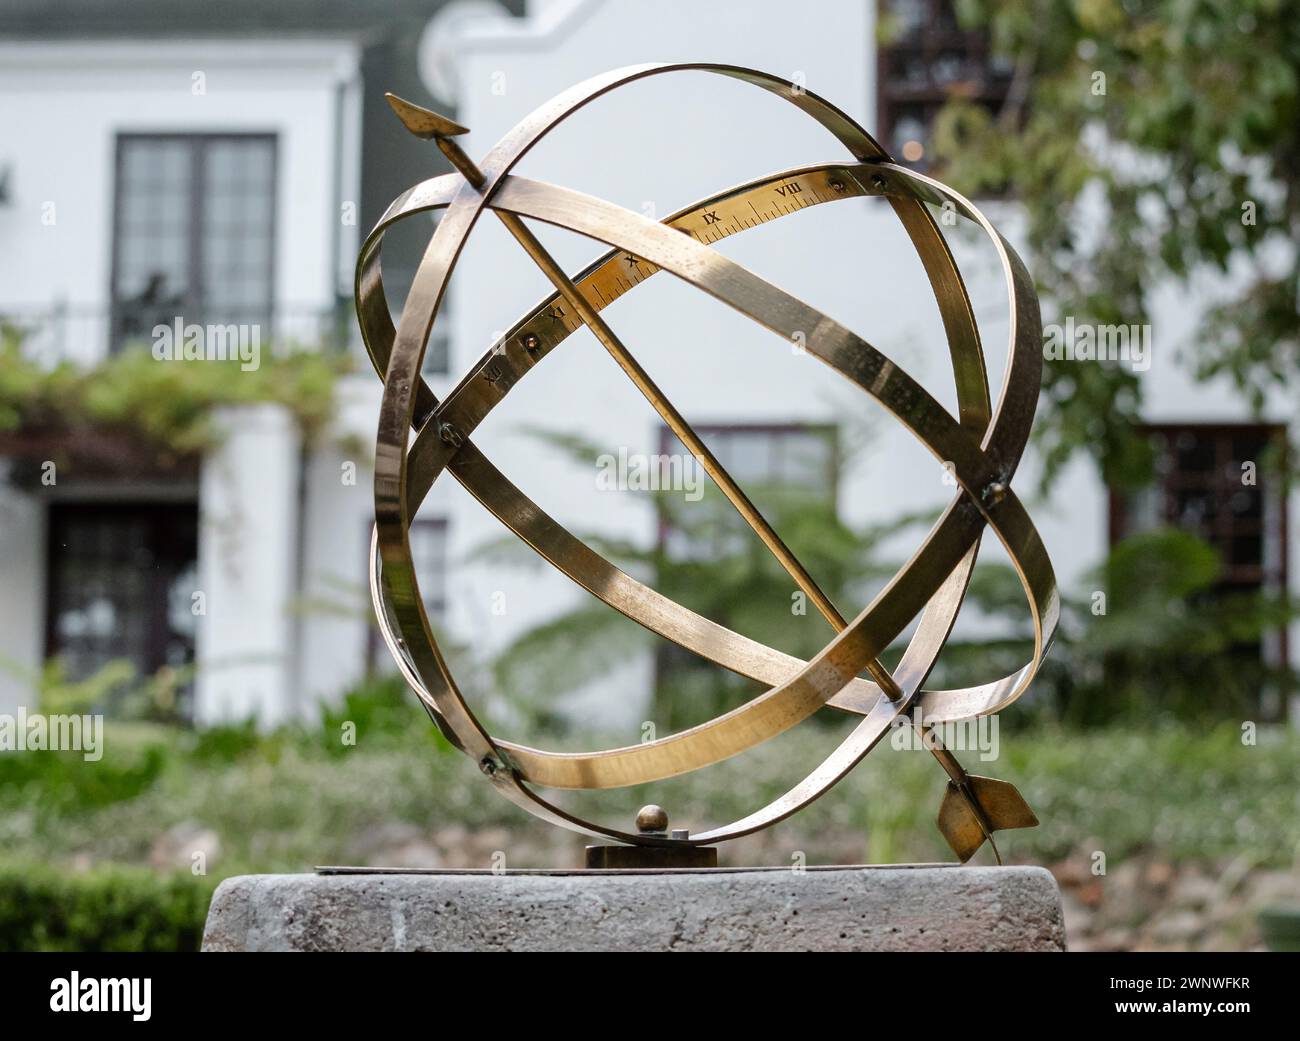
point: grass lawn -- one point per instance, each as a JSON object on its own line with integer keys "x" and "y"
{"x": 292, "y": 799}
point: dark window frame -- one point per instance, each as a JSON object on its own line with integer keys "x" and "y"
{"x": 668, "y": 656}
{"x": 159, "y": 514}
{"x": 929, "y": 43}
{"x": 828, "y": 428}
{"x": 199, "y": 142}
{"x": 1274, "y": 434}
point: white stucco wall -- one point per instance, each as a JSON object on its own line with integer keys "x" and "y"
{"x": 22, "y": 600}
{"x": 246, "y": 641}
{"x": 334, "y": 603}
{"x": 62, "y": 105}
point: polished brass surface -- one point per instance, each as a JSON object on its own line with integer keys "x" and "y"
{"x": 981, "y": 446}
{"x": 651, "y": 819}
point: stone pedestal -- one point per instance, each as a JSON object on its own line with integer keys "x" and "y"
{"x": 820, "y": 909}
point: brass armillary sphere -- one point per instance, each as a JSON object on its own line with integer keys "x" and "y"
{"x": 981, "y": 446}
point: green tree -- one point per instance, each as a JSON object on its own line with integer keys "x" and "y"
{"x": 1147, "y": 141}
{"x": 1152, "y": 640}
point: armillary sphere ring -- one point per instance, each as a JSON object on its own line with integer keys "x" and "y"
{"x": 981, "y": 448}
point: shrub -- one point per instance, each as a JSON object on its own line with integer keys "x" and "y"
{"x": 378, "y": 707}
{"x": 63, "y": 782}
{"x": 108, "y": 909}
{"x": 226, "y": 743}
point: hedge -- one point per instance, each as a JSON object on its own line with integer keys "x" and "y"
{"x": 106, "y": 909}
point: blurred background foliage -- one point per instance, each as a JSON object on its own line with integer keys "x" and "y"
{"x": 1133, "y": 732}
{"x": 169, "y": 406}
{"x": 1144, "y": 176}
{"x": 87, "y": 843}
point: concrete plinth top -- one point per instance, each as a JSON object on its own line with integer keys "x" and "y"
{"x": 922, "y": 908}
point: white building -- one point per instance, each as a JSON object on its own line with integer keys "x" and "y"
{"x": 279, "y": 527}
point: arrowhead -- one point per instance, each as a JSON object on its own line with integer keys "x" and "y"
{"x": 423, "y": 122}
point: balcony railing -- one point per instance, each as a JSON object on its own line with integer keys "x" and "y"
{"x": 87, "y": 334}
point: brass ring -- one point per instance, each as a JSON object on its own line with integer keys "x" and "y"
{"x": 942, "y": 563}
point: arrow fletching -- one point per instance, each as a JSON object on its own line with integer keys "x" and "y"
{"x": 999, "y": 802}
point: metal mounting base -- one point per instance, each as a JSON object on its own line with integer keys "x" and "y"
{"x": 649, "y": 858}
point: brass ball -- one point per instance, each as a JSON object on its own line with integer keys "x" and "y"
{"x": 651, "y": 819}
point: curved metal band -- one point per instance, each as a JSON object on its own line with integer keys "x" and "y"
{"x": 409, "y": 345}
{"x": 975, "y": 470}
{"x": 500, "y": 377}
{"x": 639, "y": 602}
{"x": 930, "y": 635}
{"x": 505, "y": 363}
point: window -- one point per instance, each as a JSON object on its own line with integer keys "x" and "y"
{"x": 121, "y": 582}
{"x": 194, "y": 231}
{"x": 785, "y": 470}
{"x": 1213, "y": 481}
{"x": 766, "y": 461}
{"x": 437, "y": 359}
{"x": 924, "y": 58}
{"x": 1201, "y": 487}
